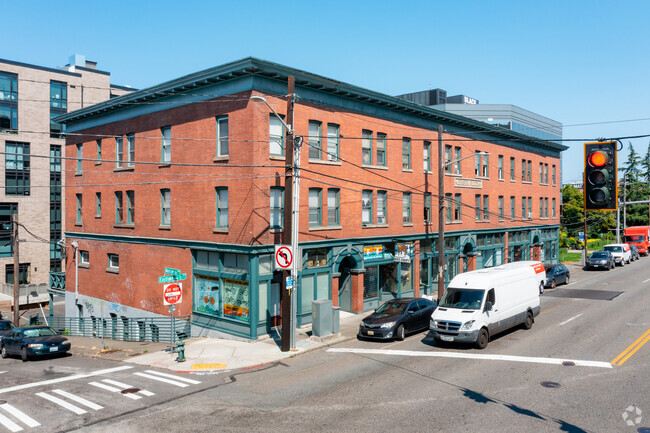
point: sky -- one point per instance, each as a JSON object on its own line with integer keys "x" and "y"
{"x": 585, "y": 64}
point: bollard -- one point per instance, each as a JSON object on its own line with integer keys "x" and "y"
{"x": 180, "y": 349}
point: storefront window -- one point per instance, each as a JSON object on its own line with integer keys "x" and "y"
{"x": 370, "y": 283}
{"x": 450, "y": 243}
{"x": 235, "y": 299}
{"x": 388, "y": 279}
{"x": 424, "y": 272}
{"x": 405, "y": 277}
{"x": 266, "y": 264}
{"x": 235, "y": 262}
{"x": 317, "y": 257}
{"x": 208, "y": 295}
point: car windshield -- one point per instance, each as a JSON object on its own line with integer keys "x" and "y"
{"x": 613, "y": 249}
{"x": 599, "y": 255}
{"x": 6, "y": 325}
{"x": 38, "y": 332}
{"x": 469, "y": 299}
{"x": 550, "y": 270}
{"x": 636, "y": 238}
{"x": 392, "y": 308}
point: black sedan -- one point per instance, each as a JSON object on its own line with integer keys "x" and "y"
{"x": 601, "y": 259}
{"x": 33, "y": 341}
{"x": 556, "y": 274}
{"x": 396, "y": 318}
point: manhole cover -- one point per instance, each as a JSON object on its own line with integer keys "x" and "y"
{"x": 550, "y": 384}
{"x": 568, "y": 363}
{"x": 130, "y": 390}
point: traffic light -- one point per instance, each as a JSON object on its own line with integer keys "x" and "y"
{"x": 600, "y": 176}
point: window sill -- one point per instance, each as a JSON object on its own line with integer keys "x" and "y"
{"x": 164, "y": 227}
{"x": 164, "y": 165}
{"x": 374, "y": 226}
{"x": 220, "y": 230}
{"x": 453, "y": 174}
{"x": 527, "y": 182}
{"x": 124, "y": 226}
{"x": 276, "y": 158}
{"x": 112, "y": 270}
{"x": 407, "y": 224}
{"x": 78, "y": 173}
{"x": 407, "y": 170}
{"x": 116, "y": 169}
{"x": 454, "y": 222}
{"x": 375, "y": 167}
{"x": 483, "y": 177}
{"x": 98, "y": 163}
{"x": 97, "y": 216}
{"x": 78, "y": 224}
{"x": 323, "y": 228}
{"x": 221, "y": 158}
{"x": 276, "y": 230}
{"x": 482, "y": 221}
{"x": 543, "y": 184}
{"x": 501, "y": 180}
{"x": 324, "y": 162}
{"x": 84, "y": 266}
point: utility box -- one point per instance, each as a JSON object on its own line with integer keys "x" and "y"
{"x": 321, "y": 320}
{"x": 336, "y": 315}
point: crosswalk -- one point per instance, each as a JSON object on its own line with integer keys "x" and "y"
{"x": 16, "y": 420}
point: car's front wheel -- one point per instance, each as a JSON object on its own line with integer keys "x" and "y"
{"x": 483, "y": 339}
{"x": 23, "y": 354}
{"x": 400, "y": 334}
{"x": 567, "y": 280}
{"x": 4, "y": 352}
{"x": 553, "y": 284}
{"x": 528, "y": 323}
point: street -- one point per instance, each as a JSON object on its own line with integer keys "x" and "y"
{"x": 558, "y": 376}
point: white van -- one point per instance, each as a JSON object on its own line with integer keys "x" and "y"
{"x": 482, "y": 303}
{"x": 536, "y": 266}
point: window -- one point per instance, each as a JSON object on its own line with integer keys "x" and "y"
{"x": 99, "y": 151}
{"x": 276, "y": 136}
{"x": 546, "y": 207}
{"x": 98, "y": 204}
{"x": 523, "y": 208}
{"x": 276, "y": 219}
{"x": 406, "y": 153}
{"x": 222, "y": 207}
{"x": 546, "y": 174}
{"x": 477, "y": 163}
{"x": 119, "y": 208}
{"x": 315, "y": 207}
{"x": 447, "y": 158}
{"x": 381, "y": 207}
{"x": 130, "y": 149}
{"x": 406, "y": 208}
{"x": 553, "y": 207}
{"x": 553, "y": 176}
{"x": 485, "y": 172}
{"x": 529, "y": 172}
{"x": 23, "y": 273}
{"x": 523, "y": 170}
{"x": 17, "y": 168}
{"x": 333, "y": 207}
{"x": 541, "y": 207}
{"x": 500, "y": 208}
{"x": 314, "y": 139}
{"x": 530, "y": 207}
{"x": 79, "y": 208}
{"x": 113, "y": 262}
{"x": 458, "y": 202}
{"x": 119, "y": 152}
{"x": 166, "y": 144}
{"x": 477, "y": 205}
{"x": 512, "y": 169}
{"x": 332, "y": 142}
{"x": 449, "y": 206}
{"x": 457, "y": 159}
{"x": 79, "y": 157}
{"x": 500, "y": 167}
{"x": 8, "y": 101}
{"x": 512, "y": 207}
{"x": 222, "y": 136}
{"x": 427, "y": 207}
{"x": 427, "y": 155}
{"x": 84, "y": 257}
{"x": 165, "y": 207}
{"x": 381, "y": 149}
{"x": 541, "y": 172}
{"x": 58, "y": 106}
{"x": 486, "y": 207}
{"x": 366, "y": 147}
{"x": 366, "y": 207}
{"x": 130, "y": 207}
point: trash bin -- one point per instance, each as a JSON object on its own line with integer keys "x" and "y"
{"x": 321, "y": 325}
{"x": 336, "y": 314}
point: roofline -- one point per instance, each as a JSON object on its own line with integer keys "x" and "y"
{"x": 251, "y": 66}
{"x": 41, "y": 68}
{"x": 118, "y": 86}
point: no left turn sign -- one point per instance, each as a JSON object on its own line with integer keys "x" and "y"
{"x": 283, "y": 257}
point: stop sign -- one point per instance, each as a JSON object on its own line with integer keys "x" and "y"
{"x": 173, "y": 293}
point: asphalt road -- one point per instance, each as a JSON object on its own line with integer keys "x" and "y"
{"x": 396, "y": 386}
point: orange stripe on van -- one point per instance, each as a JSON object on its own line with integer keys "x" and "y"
{"x": 539, "y": 268}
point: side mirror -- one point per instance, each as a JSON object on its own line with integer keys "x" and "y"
{"x": 409, "y": 312}
{"x": 488, "y": 306}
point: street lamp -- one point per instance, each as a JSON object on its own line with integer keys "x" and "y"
{"x": 291, "y": 218}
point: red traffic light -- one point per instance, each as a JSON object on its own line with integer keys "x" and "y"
{"x": 597, "y": 159}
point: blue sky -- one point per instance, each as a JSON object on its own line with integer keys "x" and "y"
{"x": 577, "y": 62}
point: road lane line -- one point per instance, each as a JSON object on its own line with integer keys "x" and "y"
{"x": 630, "y": 347}
{"x": 20, "y": 415}
{"x": 146, "y": 393}
{"x": 9, "y": 424}
{"x": 64, "y": 404}
{"x": 162, "y": 379}
{"x": 557, "y": 361}
{"x": 622, "y": 361}
{"x": 116, "y": 383}
{"x": 63, "y": 379}
{"x": 78, "y": 399}
{"x": 645, "y": 281}
{"x": 169, "y": 376}
{"x": 567, "y": 321}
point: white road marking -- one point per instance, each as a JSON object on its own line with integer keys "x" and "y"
{"x": 113, "y": 389}
{"x": 62, "y": 403}
{"x": 125, "y": 386}
{"x": 558, "y": 361}
{"x": 2, "y": 372}
{"x": 20, "y": 415}
{"x": 63, "y": 379}
{"x": 78, "y": 399}
{"x": 568, "y": 320}
{"x": 162, "y": 379}
{"x": 169, "y": 376}
{"x": 9, "y": 424}
{"x": 146, "y": 393}
{"x": 646, "y": 281}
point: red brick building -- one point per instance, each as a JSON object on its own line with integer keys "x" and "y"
{"x": 189, "y": 175}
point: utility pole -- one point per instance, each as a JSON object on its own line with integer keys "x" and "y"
{"x": 441, "y": 216}
{"x": 624, "y": 198}
{"x": 16, "y": 272}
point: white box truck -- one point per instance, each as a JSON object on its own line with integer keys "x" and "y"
{"x": 482, "y": 303}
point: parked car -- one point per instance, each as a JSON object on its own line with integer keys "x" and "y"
{"x": 33, "y": 341}
{"x": 556, "y": 274}
{"x": 601, "y": 259}
{"x": 396, "y": 318}
{"x": 621, "y": 252}
{"x": 635, "y": 252}
{"x": 5, "y": 327}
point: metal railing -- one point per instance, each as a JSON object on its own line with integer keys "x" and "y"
{"x": 122, "y": 328}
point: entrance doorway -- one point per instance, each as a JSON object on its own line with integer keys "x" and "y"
{"x": 345, "y": 283}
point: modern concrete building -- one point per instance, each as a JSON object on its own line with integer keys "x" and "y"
{"x": 189, "y": 175}
{"x": 31, "y": 146}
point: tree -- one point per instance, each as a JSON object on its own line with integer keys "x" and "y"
{"x": 645, "y": 166}
{"x": 636, "y": 172}
{"x": 572, "y": 217}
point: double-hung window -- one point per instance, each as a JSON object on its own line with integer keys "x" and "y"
{"x": 222, "y": 207}
{"x": 165, "y": 207}
{"x": 449, "y": 206}
{"x": 500, "y": 208}
{"x": 366, "y": 206}
{"x": 512, "y": 169}
{"x": 512, "y": 207}
{"x": 79, "y": 157}
{"x": 458, "y": 210}
{"x": 8, "y": 101}
{"x": 119, "y": 210}
{"x": 222, "y": 137}
{"x": 406, "y": 208}
{"x": 524, "y": 214}
{"x": 119, "y": 152}
{"x": 315, "y": 207}
{"x": 333, "y": 207}
{"x": 17, "y": 168}
{"x": 500, "y": 168}
{"x": 529, "y": 172}
{"x": 546, "y": 174}
{"x": 381, "y": 207}
{"x": 427, "y": 207}
{"x": 541, "y": 172}
{"x": 457, "y": 159}
{"x": 366, "y": 147}
{"x": 130, "y": 147}
{"x": 381, "y": 149}
{"x": 99, "y": 151}
{"x": 426, "y": 155}
{"x": 447, "y": 158}
{"x": 332, "y": 142}
{"x": 79, "y": 198}
{"x": 406, "y": 153}
{"x": 314, "y": 140}
{"x": 58, "y": 106}
{"x": 166, "y": 145}
{"x": 477, "y": 205}
{"x": 485, "y": 172}
{"x": 523, "y": 170}
{"x": 553, "y": 176}
{"x": 276, "y": 136}
{"x": 130, "y": 207}
{"x": 553, "y": 207}
{"x": 276, "y": 218}
{"x": 98, "y": 204}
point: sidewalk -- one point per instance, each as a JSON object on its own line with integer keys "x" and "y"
{"x": 212, "y": 354}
